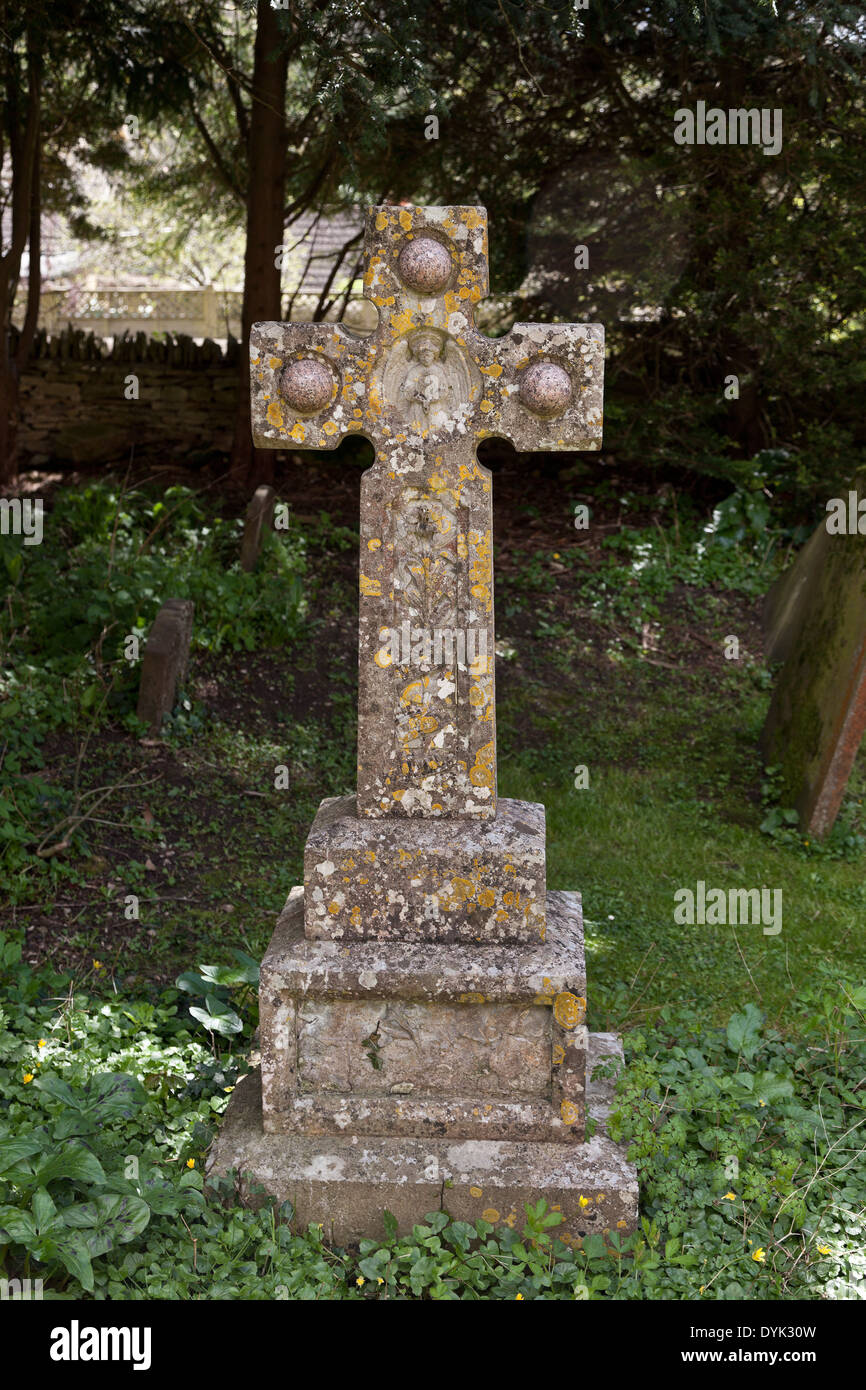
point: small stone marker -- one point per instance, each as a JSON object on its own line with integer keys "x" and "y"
{"x": 817, "y": 716}
{"x": 423, "y": 998}
{"x": 165, "y": 660}
{"x": 259, "y": 518}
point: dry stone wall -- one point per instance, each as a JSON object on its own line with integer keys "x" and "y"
{"x": 83, "y": 403}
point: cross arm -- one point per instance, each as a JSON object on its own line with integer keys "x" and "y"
{"x": 543, "y": 386}
{"x": 309, "y": 384}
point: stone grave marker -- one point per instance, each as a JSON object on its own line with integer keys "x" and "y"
{"x": 817, "y": 715}
{"x": 259, "y": 518}
{"x": 423, "y": 998}
{"x": 165, "y": 660}
{"x": 787, "y": 600}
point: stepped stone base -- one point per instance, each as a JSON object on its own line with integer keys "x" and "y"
{"x": 347, "y": 1182}
{"x": 449, "y": 879}
{"x": 423, "y": 1039}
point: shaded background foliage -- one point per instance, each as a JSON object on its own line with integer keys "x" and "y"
{"x": 704, "y": 261}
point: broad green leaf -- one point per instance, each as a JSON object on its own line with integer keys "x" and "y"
{"x": 76, "y": 1258}
{"x": 107, "y": 1221}
{"x": 217, "y": 1017}
{"x": 744, "y": 1030}
{"x": 17, "y": 1225}
{"x": 74, "y": 1161}
{"x": 192, "y": 983}
{"x": 43, "y": 1208}
{"x": 14, "y": 1151}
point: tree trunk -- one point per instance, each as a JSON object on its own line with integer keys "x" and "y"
{"x": 23, "y": 148}
{"x": 34, "y": 249}
{"x": 265, "y": 211}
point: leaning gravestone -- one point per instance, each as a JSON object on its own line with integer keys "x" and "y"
{"x": 817, "y": 715}
{"x": 787, "y": 601}
{"x": 423, "y": 998}
{"x": 165, "y": 661}
{"x": 259, "y": 518}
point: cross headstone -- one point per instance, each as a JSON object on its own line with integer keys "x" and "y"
{"x": 423, "y": 998}
{"x": 426, "y": 387}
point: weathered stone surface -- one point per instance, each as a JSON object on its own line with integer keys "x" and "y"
{"x": 346, "y": 1182}
{"x": 817, "y": 715}
{"x": 421, "y": 1038}
{"x": 259, "y": 518}
{"x": 425, "y": 387}
{"x": 165, "y": 660}
{"x": 786, "y": 602}
{"x": 423, "y": 880}
{"x": 434, "y": 971}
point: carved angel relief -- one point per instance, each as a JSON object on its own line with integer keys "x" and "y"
{"x": 427, "y": 381}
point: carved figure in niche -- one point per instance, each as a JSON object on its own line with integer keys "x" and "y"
{"x": 426, "y": 570}
{"x": 427, "y": 380}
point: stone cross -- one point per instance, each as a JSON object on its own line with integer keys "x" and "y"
{"x": 425, "y": 387}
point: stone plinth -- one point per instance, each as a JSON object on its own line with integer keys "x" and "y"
{"x": 411, "y": 1038}
{"x": 426, "y": 880}
{"x": 347, "y": 1182}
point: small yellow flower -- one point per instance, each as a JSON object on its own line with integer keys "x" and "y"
{"x": 41, "y": 1043}
{"x": 518, "y": 1298}
{"x": 758, "y": 1255}
{"x": 190, "y": 1163}
{"x": 583, "y": 1201}
{"x": 762, "y": 1102}
{"x": 228, "y": 1088}
{"x": 730, "y": 1197}
{"x": 823, "y": 1249}
{"x": 38, "y": 1063}
{"x": 97, "y": 965}
{"x": 380, "y": 1280}
{"x": 28, "y": 1076}
{"x": 556, "y": 554}
{"x": 360, "y": 1281}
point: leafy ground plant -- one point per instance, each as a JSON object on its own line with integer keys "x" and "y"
{"x": 749, "y": 1146}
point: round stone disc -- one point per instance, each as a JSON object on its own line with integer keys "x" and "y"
{"x": 307, "y": 385}
{"x": 545, "y": 389}
{"x": 424, "y": 265}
